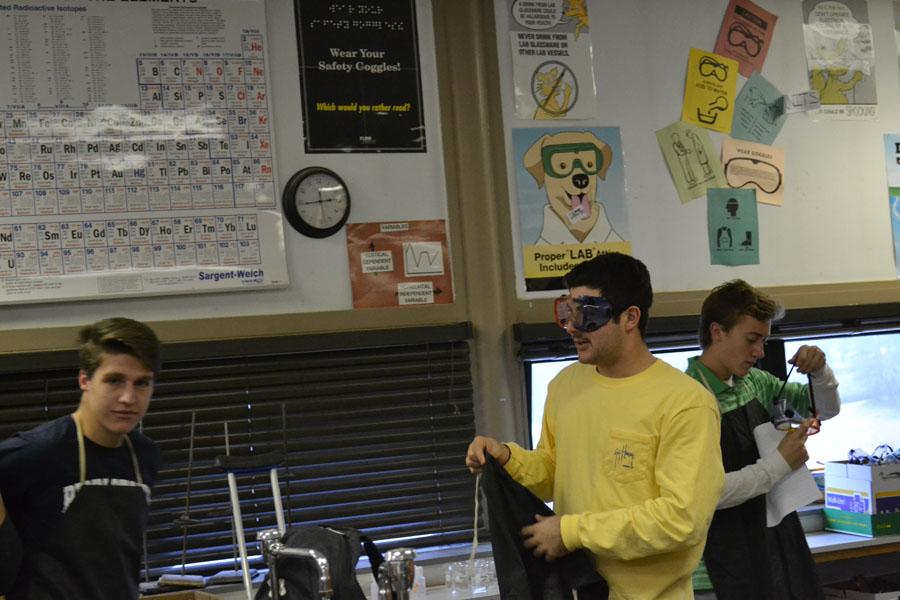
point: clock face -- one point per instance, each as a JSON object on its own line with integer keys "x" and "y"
{"x": 321, "y": 200}
{"x": 316, "y": 202}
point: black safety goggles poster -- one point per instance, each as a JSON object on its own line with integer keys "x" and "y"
{"x": 360, "y": 76}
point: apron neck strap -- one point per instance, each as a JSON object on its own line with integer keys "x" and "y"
{"x": 82, "y": 460}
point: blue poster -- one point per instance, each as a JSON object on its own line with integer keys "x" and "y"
{"x": 733, "y": 226}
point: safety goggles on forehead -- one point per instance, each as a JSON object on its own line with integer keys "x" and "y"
{"x": 559, "y": 160}
{"x": 584, "y": 313}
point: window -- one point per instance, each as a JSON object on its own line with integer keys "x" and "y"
{"x": 865, "y": 365}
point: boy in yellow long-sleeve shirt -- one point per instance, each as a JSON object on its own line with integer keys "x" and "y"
{"x": 629, "y": 451}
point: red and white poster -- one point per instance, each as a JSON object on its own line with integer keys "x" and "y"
{"x": 745, "y": 35}
{"x": 400, "y": 263}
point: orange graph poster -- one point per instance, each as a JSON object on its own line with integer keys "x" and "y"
{"x": 401, "y": 263}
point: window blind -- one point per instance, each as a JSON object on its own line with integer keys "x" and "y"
{"x": 372, "y": 428}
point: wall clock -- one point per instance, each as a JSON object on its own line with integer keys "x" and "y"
{"x": 316, "y": 202}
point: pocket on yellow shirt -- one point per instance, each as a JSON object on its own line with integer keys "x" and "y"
{"x": 628, "y": 456}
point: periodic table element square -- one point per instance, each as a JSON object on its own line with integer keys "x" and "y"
{"x": 248, "y": 228}
{"x": 223, "y": 195}
{"x": 180, "y": 196}
{"x": 120, "y": 258}
{"x": 18, "y": 150}
{"x": 72, "y": 234}
{"x": 216, "y": 96}
{"x": 20, "y": 176}
{"x": 239, "y": 144}
{"x": 159, "y": 197}
{"x": 194, "y": 71}
{"x": 69, "y": 201}
{"x": 115, "y": 199}
{"x": 234, "y": 71}
{"x": 252, "y": 46}
{"x": 49, "y": 236}
{"x": 65, "y": 150}
{"x": 226, "y": 228}
{"x": 74, "y": 261}
{"x": 151, "y": 97}
{"x": 149, "y": 70}
{"x": 44, "y": 175}
{"x": 5, "y": 203}
{"x": 138, "y": 198}
{"x": 156, "y": 149}
{"x": 256, "y": 72}
{"x": 51, "y": 262}
{"x": 244, "y": 195}
{"x": 207, "y": 254}
{"x": 257, "y": 97}
{"x": 171, "y": 71}
{"x": 142, "y": 257}
{"x": 27, "y": 263}
{"x": 92, "y": 200}
{"x": 215, "y": 71}
{"x": 22, "y": 202}
{"x": 185, "y": 255}
{"x": 248, "y": 252}
{"x": 7, "y": 243}
{"x": 95, "y": 234}
{"x": 173, "y": 97}
{"x": 238, "y": 120}
{"x": 157, "y": 172}
{"x": 67, "y": 175}
{"x": 205, "y": 229}
{"x": 228, "y": 254}
{"x": 163, "y": 256}
{"x": 183, "y": 230}
{"x": 162, "y": 231}
{"x": 97, "y": 259}
{"x": 236, "y": 96}
{"x": 7, "y": 265}
{"x": 42, "y": 149}
{"x": 117, "y": 233}
{"x": 259, "y": 121}
{"x": 25, "y": 236}
{"x": 45, "y": 202}
{"x": 179, "y": 172}
{"x": 17, "y": 125}
{"x": 139, "y": 231}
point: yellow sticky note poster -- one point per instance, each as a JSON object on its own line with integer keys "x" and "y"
{"x": 709, "y": 90}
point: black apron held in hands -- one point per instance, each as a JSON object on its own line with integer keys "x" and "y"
{"x": 100, "y": 538}
{"x": 745, "y": 559}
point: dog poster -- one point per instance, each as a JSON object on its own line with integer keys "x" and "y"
{"x": 570, "y": 199}
{"x": 553, "y": 73}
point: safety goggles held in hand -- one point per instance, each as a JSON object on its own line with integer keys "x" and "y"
{"x": 785, "y": 417}
{"x": 584, "y": 313}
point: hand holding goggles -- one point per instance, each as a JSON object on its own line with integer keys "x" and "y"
{"x": 584, "y": 313}
{"x": 785, "y": 417}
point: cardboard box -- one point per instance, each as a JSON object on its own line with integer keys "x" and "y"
{"x": 858, "y": 523}
{"x": 869, "y": 489}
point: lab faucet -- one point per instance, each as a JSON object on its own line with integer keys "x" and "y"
{"x": 273, "y": 549}
{"x": 396, "y": 574}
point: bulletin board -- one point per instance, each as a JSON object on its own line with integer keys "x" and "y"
{"x": 834, "y": 225}
{"x": 136, "y": 151}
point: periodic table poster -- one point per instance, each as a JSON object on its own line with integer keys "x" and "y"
{"x": 136, "y": 151}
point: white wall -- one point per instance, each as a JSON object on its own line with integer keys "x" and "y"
{"x": 383, "y": 187}
{"x": 835, "y": 222}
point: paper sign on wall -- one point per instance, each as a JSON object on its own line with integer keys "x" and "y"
{"x": 553, "y": 74}
{"x": 759, "y": 111}
{"x": 709, "y": 90}
{"x": 755, "y": 166}
{"x": 691, "y": 158}
{"x": 733, "y": 227}
{"x": 399, "y": 264}
{"x": 745, "y": 35}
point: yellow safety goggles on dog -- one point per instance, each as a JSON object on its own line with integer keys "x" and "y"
{"x": 560, "y": 160}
